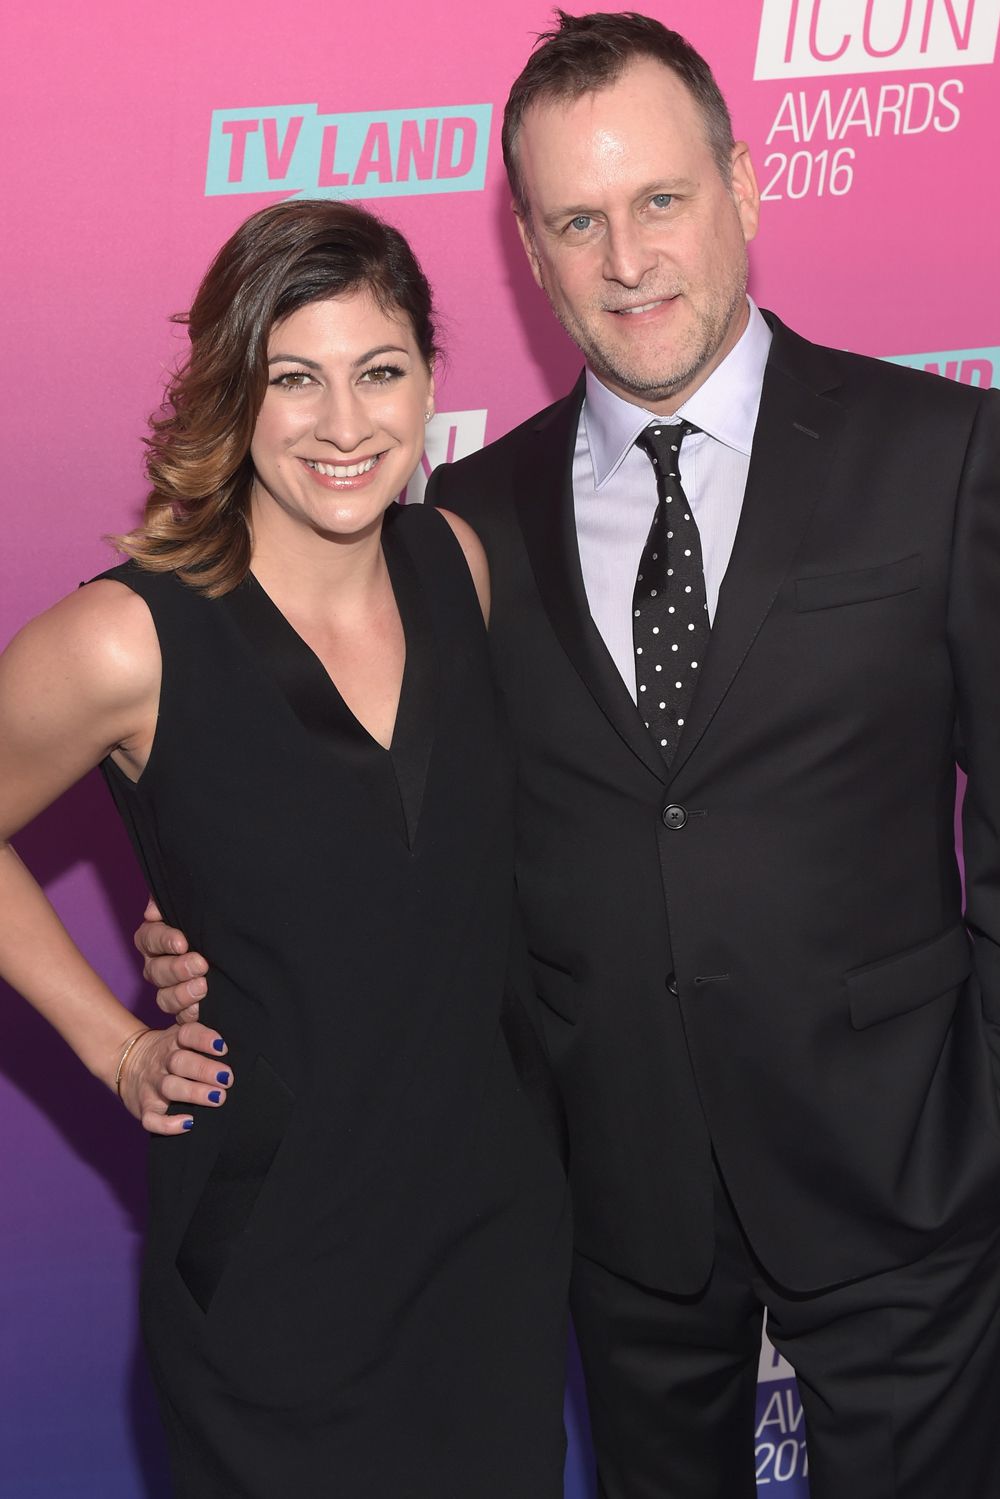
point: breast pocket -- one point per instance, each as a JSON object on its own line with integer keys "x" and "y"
{"x": 909, "y": 980}
{"x": 858, "y": 587}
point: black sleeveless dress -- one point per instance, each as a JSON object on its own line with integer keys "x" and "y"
{"x": 355, "y": 1276}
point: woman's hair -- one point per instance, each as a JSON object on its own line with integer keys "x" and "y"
{"x": 196, "y": 521}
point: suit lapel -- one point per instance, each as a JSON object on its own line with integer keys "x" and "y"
{"x": 546, "y": 513}
{"x": 797, "y": 434}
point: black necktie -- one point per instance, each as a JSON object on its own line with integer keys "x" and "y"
{"x": 670, "y": 626}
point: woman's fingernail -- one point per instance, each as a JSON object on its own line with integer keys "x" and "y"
{"x": 187, "y": 1124}
{"x": 222, "y": 1077}
{"x": 218, "y": 1044}
{"x": 215, "y": 1096}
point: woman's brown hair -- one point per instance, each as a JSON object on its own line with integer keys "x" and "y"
{"x": 196, "y": 522}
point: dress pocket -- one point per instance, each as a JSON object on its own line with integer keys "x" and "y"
{"x": 261, "y": 1106}
{"x": 556, "y": 987}
{"x": 858, "y": 587}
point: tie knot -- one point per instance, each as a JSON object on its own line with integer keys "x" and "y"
{"x": 662, "y": 441}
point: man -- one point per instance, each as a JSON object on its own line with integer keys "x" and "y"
{"x": 737, "y": 737}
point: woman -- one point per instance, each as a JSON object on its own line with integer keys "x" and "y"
{"x": 354, "y": 1279}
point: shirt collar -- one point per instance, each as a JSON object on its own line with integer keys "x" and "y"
{"x": 725, "y": 406}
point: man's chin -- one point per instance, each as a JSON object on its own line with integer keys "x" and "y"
{"x": 644, "y": 387}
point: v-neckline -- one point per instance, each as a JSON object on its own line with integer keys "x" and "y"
{"x": 296, "y": 641}
{"x": 395, "y": 774}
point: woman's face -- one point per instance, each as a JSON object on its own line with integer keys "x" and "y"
{"x": 341, "y": 427}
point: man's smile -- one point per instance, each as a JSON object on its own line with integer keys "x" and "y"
{"x": 643, "y": 307}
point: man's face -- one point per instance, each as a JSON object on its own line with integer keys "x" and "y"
{"x": 634, "y": 236}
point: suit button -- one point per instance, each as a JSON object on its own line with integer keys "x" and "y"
{"x": 672, "y": 983}
{"x": 674, "y": 817}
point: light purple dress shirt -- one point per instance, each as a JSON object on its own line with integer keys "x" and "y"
{"x": 614, "y": 486}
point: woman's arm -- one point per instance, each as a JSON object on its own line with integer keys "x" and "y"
{"x": 80, "y": 682}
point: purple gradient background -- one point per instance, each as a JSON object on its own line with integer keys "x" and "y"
{"x": 104, "y": 120}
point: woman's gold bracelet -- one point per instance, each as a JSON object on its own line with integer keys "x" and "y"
{"x": 121, "y": 1060}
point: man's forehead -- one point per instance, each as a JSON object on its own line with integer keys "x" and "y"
{"x": 608, "y": 140}
{"x": 615, "y": 134}
{"x": 645, "y": 76}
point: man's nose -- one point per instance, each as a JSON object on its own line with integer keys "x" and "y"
{"x": 628, "y": 257}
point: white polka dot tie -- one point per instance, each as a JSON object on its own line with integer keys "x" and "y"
{"x": 670, "y": 625}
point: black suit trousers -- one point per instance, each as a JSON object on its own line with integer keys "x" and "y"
{"x": 899, "y": 1374}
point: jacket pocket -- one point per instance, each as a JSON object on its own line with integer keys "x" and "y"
{"x": 858, "y": 587}
{"x": 256, "y": 1129}
{"x": 910, "y": 979}
{"x": 556, "y": 987}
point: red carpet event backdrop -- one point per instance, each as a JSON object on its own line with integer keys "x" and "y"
{"x": 135, "y": 137}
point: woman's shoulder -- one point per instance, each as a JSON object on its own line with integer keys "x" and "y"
{"x": 475, "y": 557}
{"x": 100, "y": 610}
{"x": 144, "y": 581}
{"x": 101, "y": 639}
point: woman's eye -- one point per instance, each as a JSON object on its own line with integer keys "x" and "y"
{"x": 292, "y": 380}
{"x": 382, "y": 374}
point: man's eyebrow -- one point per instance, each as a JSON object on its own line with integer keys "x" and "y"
{"x": 571, "y": 212}
{"x": 672, "y": 186}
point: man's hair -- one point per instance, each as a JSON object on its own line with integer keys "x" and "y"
{"x": 197, "y": 521}
{"x": 587, "y": 53}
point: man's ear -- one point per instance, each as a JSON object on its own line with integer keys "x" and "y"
{"x": 746, "y": 193}
{"x": 528, "y": 242}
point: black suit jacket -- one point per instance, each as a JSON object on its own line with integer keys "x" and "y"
{"x": 778, "y": 971}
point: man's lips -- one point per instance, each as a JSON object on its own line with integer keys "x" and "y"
{"x": 638, "y": 308}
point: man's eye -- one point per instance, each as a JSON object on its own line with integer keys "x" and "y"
{"x": 582, "y": 222}
{"x": 662, "y": 200}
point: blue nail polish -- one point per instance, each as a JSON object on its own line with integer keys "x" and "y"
{"x": 215, "y": 1096}
{"x": 222, "y": 1077}
{"x": 187, "y": 1124}
{"x": 218, "y": 1044}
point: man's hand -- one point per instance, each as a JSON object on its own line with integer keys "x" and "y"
{"x": 179, "y": 975}
{"x": 180, "y": 1064}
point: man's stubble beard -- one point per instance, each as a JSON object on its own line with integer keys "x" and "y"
{"x": 711, "y": 328}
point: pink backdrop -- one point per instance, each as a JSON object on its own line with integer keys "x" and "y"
{"x": 134, "y": 138}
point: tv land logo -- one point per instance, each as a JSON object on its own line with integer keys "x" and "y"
{"x": 967, "y": 366}
{"x": 292, "y": 148}
{"x": 821, "y": 132}
{"x": 450, "y": 435}
{"x": 802, "y": 38}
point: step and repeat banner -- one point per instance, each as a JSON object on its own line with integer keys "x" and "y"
{"x": 135, "y": 136}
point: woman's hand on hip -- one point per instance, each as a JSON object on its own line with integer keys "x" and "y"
{"x": 183, "y": 1064}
